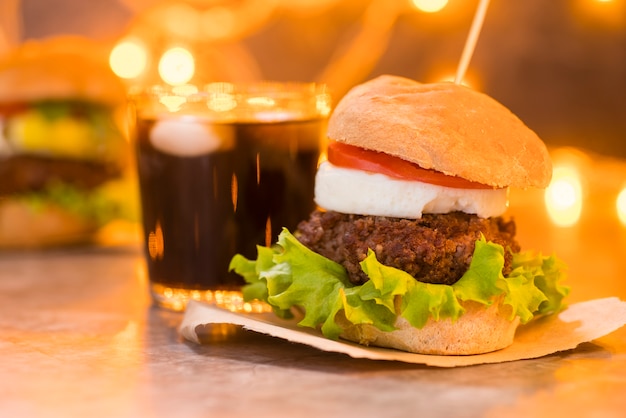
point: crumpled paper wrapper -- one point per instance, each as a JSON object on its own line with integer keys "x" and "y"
{"x": 579, "y": 323}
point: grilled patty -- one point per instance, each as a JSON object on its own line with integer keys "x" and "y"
{"x": 28, "y": 173}
{"x": 437, "y": 248}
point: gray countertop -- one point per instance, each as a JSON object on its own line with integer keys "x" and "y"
{"x": 80, "y": 337}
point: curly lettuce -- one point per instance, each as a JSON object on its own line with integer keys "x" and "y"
{"x": 115, "y": 199}
{"x": 289, "y": 275}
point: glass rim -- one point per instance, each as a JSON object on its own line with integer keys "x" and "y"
{"x": 227, "y": 100}
{"x": 270, "y": 87}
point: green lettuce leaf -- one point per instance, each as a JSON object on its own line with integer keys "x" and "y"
{"x": 289, "y": 276}
{"x": 116, "y": 199}
{"x": 548, "y": 273}
{"x": 481, "y": 281}
{"x": 313, "y": 278}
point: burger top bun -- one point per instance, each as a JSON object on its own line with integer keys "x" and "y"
{"x": 61, "y": 67}
{"x": 445, "y": 127}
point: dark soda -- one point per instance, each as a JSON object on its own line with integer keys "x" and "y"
{"x": 200, "y": 210}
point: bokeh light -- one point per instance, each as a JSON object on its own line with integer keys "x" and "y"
{"x": 129, "y": 58}
{"x": 621, "y": 206}
{"x": 176, "y": 66}
{"x": 604, "y": 14}
{"x": 430, "y": 6}
{"x": 564, "y": 196}
{"x": 448, "y": 75}
{"x": 173, "y": 102}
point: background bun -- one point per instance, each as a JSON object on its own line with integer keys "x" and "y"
{"x": 445, "y": 127}
{"x": 25, "y": 227}
{"x": 479, "y": 330}
{"x": 62, "y": 67}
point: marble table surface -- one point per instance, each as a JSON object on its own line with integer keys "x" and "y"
{"x": 79, "y": 337}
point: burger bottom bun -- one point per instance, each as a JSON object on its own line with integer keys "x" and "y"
{"x": 479, "y": 330}
{"x": 24, "y": 227}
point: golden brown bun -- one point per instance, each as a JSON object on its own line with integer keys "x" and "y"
{"x": 445, "y": 127}
{"x": 63, "y": 67}
{"x": 23, "y": 227}
{"x": 479, "y": 330}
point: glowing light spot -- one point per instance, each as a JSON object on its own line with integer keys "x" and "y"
{"x": 234, "y": 191}
{"x": 128, "y": 59}
{"x": 621, "y": 206}
{"x": 323, "y": 104}
{"x": 258, "y": 168}
{"x": 261, "y": 101}
{"x": 173, "y": 103}
{"x": 430, "y": 6}
{"x": 177, "y": 298}
{"x": 155, "y": 243}
{"x": 268, "y": 232}
{"x": 177, "y": 66}
{"x": 563, "y": 197}
{"x": 450, "y": 76}
{"x": 185, "y": 90}
{"x": 221, "y": 102}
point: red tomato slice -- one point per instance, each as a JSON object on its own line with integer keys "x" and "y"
{"x": 349, "y": 156}
{"x": 9, "y": 109}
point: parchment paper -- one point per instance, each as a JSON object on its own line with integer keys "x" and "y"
{"x": 579, "y": 323}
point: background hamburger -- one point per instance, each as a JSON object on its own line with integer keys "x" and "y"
{"x": 63, "y": 157}
{"x": 410, "y": 250}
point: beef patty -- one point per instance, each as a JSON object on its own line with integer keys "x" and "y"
{"x": 29, "y": 173}
{"x": 437, "y": 248}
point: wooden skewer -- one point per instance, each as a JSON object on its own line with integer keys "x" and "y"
{"x": 472, "y": 38}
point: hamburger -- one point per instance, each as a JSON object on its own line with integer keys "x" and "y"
{"x": 63, "y": 157}
{"x": 409, "y": 247}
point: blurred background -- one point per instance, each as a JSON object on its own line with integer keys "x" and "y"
{"x": 560, "y": 64}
